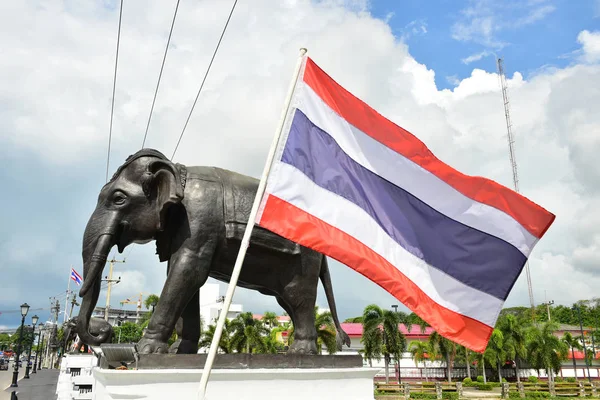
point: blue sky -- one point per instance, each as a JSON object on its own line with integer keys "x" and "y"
{"x": 529, "y": 35}
{"x": 57, "y": 67}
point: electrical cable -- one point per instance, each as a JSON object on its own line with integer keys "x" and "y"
{"x": 160, "y": 74}
{"x": 112, "y": 108}
{"x": 204, "y": 80}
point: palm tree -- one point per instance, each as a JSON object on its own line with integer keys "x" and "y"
{"x": 151, "y": 301}
{"x": 270, "y": 319}
{"x": 544, "y": 349}
{"x": 225, "y": 341}
{"x": 495, "y": 350}
{"x": 419, "y": 351}
{"x": 514, "y": 338}
{"x": 248, "y": 334}
{"x": 573, "y": 344}
{"x": 439, "y": 345}
{"x": 380, "y": 328}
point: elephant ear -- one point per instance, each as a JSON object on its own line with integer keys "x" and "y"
{"x": 165, "y": 185}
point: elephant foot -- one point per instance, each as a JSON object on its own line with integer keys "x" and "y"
{"x": 152, "y": 346}
{"x": 303, "y": 347}
{"x": 187, "y": 347}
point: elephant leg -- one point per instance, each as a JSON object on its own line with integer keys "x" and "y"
{"x": 187, "y": 273}
{"x": 301, "y": 295}
{"x": 188, "y": 327}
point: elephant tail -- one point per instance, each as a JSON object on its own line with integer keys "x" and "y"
{"x": 341, "y": 337}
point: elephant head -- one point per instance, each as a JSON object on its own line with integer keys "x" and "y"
{"x": 133, "y": 207}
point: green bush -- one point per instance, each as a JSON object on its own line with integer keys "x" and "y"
{"x": 533, "y": 379}
{"x": 467, "y": 381}
{"x": 480, "y": 379}
{"x": 450, "y": 395}
{"x": 427, "y": 396}
{"x": 484, "y": 386}
{"x": 537, "y": 395}
{"x": 504, "y": 380}
{"x": 571, "y": 379}
{"x": 558, "y": 379}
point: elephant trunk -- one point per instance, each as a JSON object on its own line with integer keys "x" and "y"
{"x": 94, "y": 262}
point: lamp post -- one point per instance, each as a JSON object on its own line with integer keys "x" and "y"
{"x": 24, "y": 311}
{"x": 37, "y": 351}
{"x": 34, "y": 321}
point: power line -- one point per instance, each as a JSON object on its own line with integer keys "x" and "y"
{"x": 204, "y": 80}
{"x": 112, "y": 108}
{"x": 160, "y": 75}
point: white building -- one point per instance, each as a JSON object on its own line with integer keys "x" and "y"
{"x": 211, "y": 304}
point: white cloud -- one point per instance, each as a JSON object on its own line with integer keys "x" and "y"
{"x": 57, "y": 65}
{"x": 482, "y": 20}
{"x": 590, "y": 42}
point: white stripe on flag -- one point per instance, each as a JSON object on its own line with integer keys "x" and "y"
{"x": 409, "y": 176}
{"x": 291, "y": 185}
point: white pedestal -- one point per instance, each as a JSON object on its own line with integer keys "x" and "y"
{"x": 236, "y": 384}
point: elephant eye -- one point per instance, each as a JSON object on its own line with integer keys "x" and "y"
{"x": 119, "y": 198}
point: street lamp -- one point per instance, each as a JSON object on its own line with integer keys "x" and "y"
{"x": 24, "y": 311}
{"x": 34, "y": 321}
{"x": 37, "y": 350}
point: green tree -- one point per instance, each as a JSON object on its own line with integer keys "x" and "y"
{"x": 380, "y": 328}
{"x": 151, "y": 302}
{"x": 5, "y": 341}
{"x": 128, "y": 332}
{"x": 224, "y": 342}
{"x": 495, "y": 352}
{"x": 440, "y": 346}
{"x": 419, "y": 350}
{"x": 354, "y": 320}
{"x": 573, "y": 344}
{"x": 514, "y": 339}
{"x": 270, "y": 319}
{"x": 248, "y": 334}
{"x": 544, "y": 349}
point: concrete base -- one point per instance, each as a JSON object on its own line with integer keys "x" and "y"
{"x": 238, "y": 384}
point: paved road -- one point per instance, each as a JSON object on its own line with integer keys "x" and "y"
{"x": 6, "y": 380}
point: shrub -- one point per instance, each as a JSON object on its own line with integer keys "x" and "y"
{"x": 449, "y": 395}
{"x": 533, "y": 379}
{"x": 504, "y": 380}
{"x": 467, "y": 382}
{"x": 484, "y": 386}
{"x": 480, "y": 379}
{"x": 558, "y": 379}
{"x": 571, "y": 379}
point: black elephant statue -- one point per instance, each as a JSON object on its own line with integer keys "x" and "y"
{"x": 197, "y": 216}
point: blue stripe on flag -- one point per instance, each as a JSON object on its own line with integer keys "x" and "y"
{"x": 477, "y": 259}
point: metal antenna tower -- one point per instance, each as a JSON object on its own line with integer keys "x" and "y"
{"x": 513, "y": 162}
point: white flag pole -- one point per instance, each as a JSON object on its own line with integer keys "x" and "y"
{"x": 67, "y": 300}
{"x": 246, "y": 238}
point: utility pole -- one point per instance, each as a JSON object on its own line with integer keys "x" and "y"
{"x": 73, "y": 304}
{"x": 513, "y": 163}
{"x": 547, "y": 304}
{"x": 110, "y": 281}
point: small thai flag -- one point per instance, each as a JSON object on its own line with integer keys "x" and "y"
{"x": 76, "y": 277}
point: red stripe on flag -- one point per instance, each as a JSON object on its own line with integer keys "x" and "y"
{"x": 530, "y": 215}
{"x": 297, "y": 225}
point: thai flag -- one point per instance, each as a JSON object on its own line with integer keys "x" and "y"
{"x": 351, "y": 184}
{"x": 76, "y": 277}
